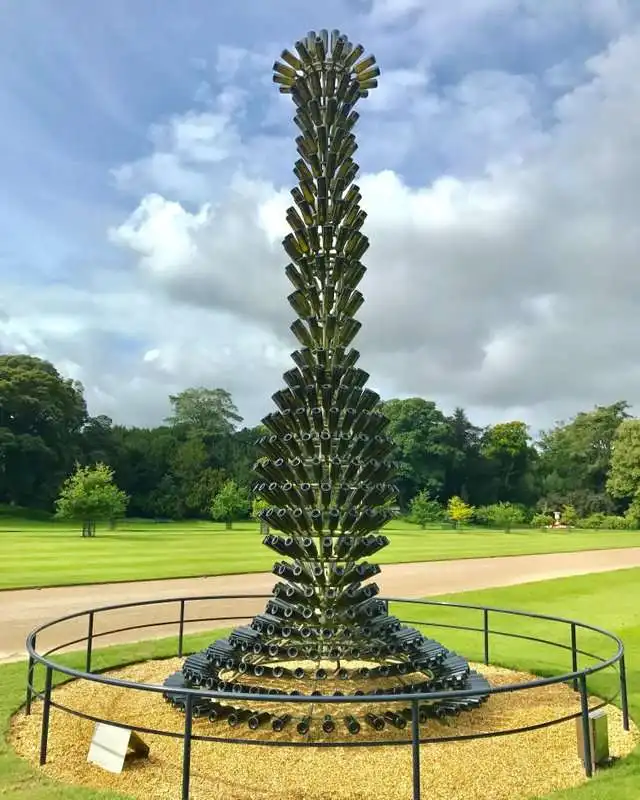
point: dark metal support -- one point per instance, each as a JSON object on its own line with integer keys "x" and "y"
{"x": 89, "y": 642}
{"x": 485, "y": 617}
{"x": 46, "y": 708}
{"x": 29, "y": 697}
{"x": 574, "y": 654}
{"x": 186, "y": 747}
{"x": 181, "y": 629}
{"x": 586, "y": 733}
{"x": 624, "y": 700}
{"x": 415, "y": 748}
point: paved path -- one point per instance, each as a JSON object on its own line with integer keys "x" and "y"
{"x": 24, "y": 609}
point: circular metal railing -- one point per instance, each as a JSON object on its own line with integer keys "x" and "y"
{"x": 576, "y": 675}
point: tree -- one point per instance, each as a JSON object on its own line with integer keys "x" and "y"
{"x": 503, "y": 516}
{"x": 623, "y": 480}
{"x": 575, "y": 459}
{"x": 258, "y": 505}
{"x": 458, "y": 511}
{"x": 142, "y": 463}
{"x": 568, "y": 515}
{"x": 510, "y": 456}
{"x": 205, "y": 411}
{"x": 235, "y": 454}
{"x": 41, "y": 415}
{"x": 424, "y": 509}
{"x": 541, "y": 520}
{"x": 230, "y": 503}
{"x": 90, "y": 495}
{"x": 165, "y": 501}
{"x": 464, "y": 462}
{"x": 632, "y": 514}
{"x": 196, "y": 480}
{"x": 97, "y": 441}
{"x": 422, "y": 451}
{"x": 174, "y": 471}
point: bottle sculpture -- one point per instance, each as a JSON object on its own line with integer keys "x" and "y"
{"x": 325, "y": 468}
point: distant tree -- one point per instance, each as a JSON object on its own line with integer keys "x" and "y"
{"x": 236, "y": 455}
{"x": 197, "y": 481}
{"x": 41, "y": 416}
{"x": 568, "y": 515}
{"x": 142, "y": 463}
{"x": 623, "y": 480}
{"x": 89, "y": 496}
{"x": 509, "y": 458}
{"x": 97, "y": 441}
{"x": 230, "y": 504}
{"x": 464, "y": 462}
{"x": 541, "y": 520}
{"x": 503, "y": 516}
{"x": 422, "y": 450}
{"x": 424, "y": 509}
{"x": 258, "y": 505}
{"x": 575, "y": 460}
{"x": 458, "y": 511}
{"x": 204, "y": 411}
{"x": 166, "y": 500}
{"x": 632, "y": 514}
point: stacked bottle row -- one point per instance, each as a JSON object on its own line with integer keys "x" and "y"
{"x": 328, "y": 723}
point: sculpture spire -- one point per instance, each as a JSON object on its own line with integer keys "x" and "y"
{"x": 326, "y": 440}
{"x": 325, "y": 467}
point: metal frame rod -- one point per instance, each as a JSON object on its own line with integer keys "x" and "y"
{"x": 587, "y": 757}
{"x": 485, "y": 623}
{"x": 186, "y": 747}
{"x": 181, "y": 629}
{"x": 415, "y": 748}
{"x": 624, "y": 700}
{"x": 46, "y": 708}
{"x": 89, "y": 641}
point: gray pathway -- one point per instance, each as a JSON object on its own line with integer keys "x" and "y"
{"x": 22, "y": 610}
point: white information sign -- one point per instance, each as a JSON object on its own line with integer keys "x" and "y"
{"x": 112, "y": 746}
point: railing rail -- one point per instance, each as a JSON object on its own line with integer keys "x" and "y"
{"x": 576, "y": 676}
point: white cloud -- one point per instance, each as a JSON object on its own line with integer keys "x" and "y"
{"x": 163, "y": 234}
{"x": 187, "y": 150}
{"x": 398, "y": 88}
{"x": 164, "y": 347}
{"x": 225, "y": 257}
{"x": 461, "y": 270}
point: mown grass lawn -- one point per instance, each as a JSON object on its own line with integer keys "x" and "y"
{"x": 609, "y": 600}
{"x": 34, "y": 554}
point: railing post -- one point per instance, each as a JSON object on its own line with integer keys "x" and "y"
{"x": 29, "y": 697}
{"x": 574, "y": 654}
{"x": 89, "y": 642}
{"x": 186, "y": 746}
{"x": 624, "y": 700}
{"x": 415, "y": 748}
{"x": 46, "y": 708}
{"x": 485, "y": 617}
{"x": 181, "y": 630}
{"x": 586, "y": 732}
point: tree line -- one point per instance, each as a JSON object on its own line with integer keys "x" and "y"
{"x": 589, "y": 465}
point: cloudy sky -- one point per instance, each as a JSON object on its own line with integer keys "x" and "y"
{"x": 145, "y": 163}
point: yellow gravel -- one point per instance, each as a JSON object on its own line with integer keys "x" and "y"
{"x": 506, "y": 768}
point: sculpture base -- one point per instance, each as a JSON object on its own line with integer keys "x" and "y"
{"x": 324, "y": 721}
{"x": 515, "y": 767}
